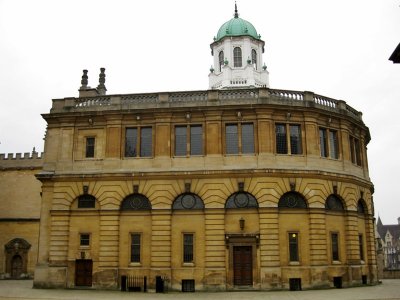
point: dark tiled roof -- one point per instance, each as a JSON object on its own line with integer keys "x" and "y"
{"x": 393, "y": 229}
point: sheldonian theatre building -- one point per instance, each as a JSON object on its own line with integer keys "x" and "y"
{"x": 237, "y": 186}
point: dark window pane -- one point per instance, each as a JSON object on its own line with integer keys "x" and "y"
{"x": 221, "y": 60}
{"x": 295, "y": 139}
{"x": 333, "y": 144}
{"x": 146, "y": 142}
{"x": 323, "y": 142}
{"x": 357, "y": 151}
{"x": 180, "y": 140}
{"x": 335, "y": 246}
{"x": 231, "y": 139}
{"x": 292, "y": 200}
{"x": 85, "y": 240}
{"x": 254, "y": 58}
{"x": 135, "y": 247}
{"x": 196, "y": 140}
{"x": 247, "y": 138}
{"x": 352, "y": 149}
{"x": 293, "y": 247}
{"x": 237, "y": 57}
{"x": 90, "y": 147}
{"x": 281, "y": 141}
{"x": 361, "y": 243}
{"x": 188, "y": 248}
{"x": 86, "y": 201}
{"x": 360, "y": 207}
{"x": 334, "y": 203}
{"x": 130, "y": 142}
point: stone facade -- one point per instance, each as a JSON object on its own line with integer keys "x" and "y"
{"x": 19, "y": 214}
{"x": 245, "y": 208}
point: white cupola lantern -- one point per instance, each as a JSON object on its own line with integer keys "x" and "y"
{"x": 237, "y": 50}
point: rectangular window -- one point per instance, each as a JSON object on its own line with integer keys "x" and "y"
{"x": 355, "y": 151}
{"x": 323, "y": 142}
{"x": 180, "y": 140}
{"x": 329, "y": 143}
{"x": 188, "y": 248}
{"x": 295, "y": 139}
{"x": 293, "y": 246}
{"x": 135, "y": 247}
{"x": 281, "y": 139}
{"x": 192, "y": 134}
{"x": 361, "y": 244}
{"x": 146, "y": 142}
{"x": 247, "y": 138}
{"x": 133, "y": 143}
{"x": 285, "y": 143}
{"x": 239, "y": 132}
{"x": 196, "y": 140}
{"x": 90, "y": 142}
{"x": 335, "y": 246}
{"x": 85, "y": 239}
{"x": 333, "y": 144}
{"x": 232, "y": 139}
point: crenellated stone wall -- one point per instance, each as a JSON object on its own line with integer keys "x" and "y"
{"x": 20, "y": 200}
{"x": 27, "y": 160}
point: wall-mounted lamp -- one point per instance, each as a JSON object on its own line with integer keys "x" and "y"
{"x": 241, "y": 223}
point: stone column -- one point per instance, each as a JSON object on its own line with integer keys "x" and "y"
{"x": 42, "y": 272}
{"x": 215, "y": 250}
{"x": 106, "y": 277}
{"x": 160, "y": 244}
{"x": 352, "y": 244}
{"x": 269, "y": 248}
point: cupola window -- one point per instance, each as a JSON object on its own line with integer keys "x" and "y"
{"x": 221, "y": 60}
{"x": 237, "y": 57}
{"x": 254, "y": 58}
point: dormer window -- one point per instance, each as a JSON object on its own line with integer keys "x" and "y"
{"x": 221, "y": 60}
{"x": 254, "y": 58}
{"x": 237, "y": 57}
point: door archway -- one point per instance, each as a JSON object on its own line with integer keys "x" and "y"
{"x": 17, "y": 257}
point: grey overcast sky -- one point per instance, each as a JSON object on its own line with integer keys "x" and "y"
{"x": 336, "y": 48}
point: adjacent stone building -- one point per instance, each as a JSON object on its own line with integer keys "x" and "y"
{"x": 19, "y": 214}
{"x": 238, "y": 186}
{"x": 389, "y": 243}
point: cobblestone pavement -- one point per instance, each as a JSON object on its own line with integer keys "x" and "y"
{"x": 22, "y": 289}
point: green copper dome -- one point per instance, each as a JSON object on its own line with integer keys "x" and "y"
{"x": 237, "y": 27}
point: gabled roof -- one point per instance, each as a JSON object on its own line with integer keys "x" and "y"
{"x": 383, "y": 229}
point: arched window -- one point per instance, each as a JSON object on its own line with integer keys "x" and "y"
{"x": 237, "y": 57}
{"x": 361, "y": 206}
{"x": 254, "y": 58}
{"x": 136, "y": 202}
{"x": 333, "y": 202}
{"x": 292, "y": 200}
{"x": 188, "y": 201}
{"x": 241, "y": 200}
{"x": 221, "y": 60}
{"x": 86, "y": 201}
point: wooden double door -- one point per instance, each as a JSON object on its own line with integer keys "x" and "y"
{"x": 242, "y": 265}
{"x": 83, "y": 272}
